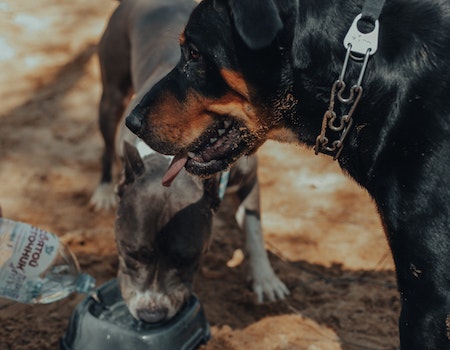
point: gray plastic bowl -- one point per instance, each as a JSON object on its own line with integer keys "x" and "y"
{"x": 104, "y": 323}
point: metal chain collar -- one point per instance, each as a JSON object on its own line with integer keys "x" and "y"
{"x": 360, "y": 46}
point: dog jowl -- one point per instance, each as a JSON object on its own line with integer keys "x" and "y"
{"x": 256, "y": 70}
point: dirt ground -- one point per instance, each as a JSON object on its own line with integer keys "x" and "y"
{"x": 322, "y": 231}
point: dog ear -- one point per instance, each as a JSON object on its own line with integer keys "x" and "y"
{"x": 134, "y": 165}
{"x": 257, "y": 21}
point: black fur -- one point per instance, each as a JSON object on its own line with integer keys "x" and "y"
{"x": 398, "y": 147}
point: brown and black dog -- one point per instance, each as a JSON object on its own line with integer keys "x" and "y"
{"x": 266, "y": 68}
{"x": 161, "y": 232}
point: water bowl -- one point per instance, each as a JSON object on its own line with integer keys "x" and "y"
{"x": 102, "y": 322}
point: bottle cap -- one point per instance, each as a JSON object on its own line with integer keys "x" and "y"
{"x": 85, "y": 283}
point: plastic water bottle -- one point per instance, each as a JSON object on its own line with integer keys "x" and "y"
{"x": 35, "y": 267}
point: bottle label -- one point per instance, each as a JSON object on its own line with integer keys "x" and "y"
{"x": 25, "y": 253}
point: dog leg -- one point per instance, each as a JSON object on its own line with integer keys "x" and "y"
{"x": 112, "y": 106}
{"x": 265, "y": 282}
{"x": 114, "y": 57}
{"x": 421, "y": 260}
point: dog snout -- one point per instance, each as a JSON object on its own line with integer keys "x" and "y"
{"x": 134, "y": 122}
{"x": 153, "y": 315}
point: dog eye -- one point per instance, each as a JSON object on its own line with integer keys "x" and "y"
{"x": 194, "y": 54}
{"x": 133, "y": 260}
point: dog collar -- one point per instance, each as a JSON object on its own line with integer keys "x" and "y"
{"x": 360, "y": 46}
{"x": 215, "y": 189}
{"x": 223, "y": 183}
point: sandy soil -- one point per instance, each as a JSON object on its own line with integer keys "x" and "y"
{"x": 323, "y": 232}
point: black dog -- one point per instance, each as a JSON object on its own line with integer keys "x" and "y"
{"x": 267, "y": 68}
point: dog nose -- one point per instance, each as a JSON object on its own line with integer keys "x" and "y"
{"x": 152, "y": 315}
{"x": 134, "y": 122}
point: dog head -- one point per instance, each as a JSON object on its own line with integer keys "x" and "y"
{"x": 224, "y": 97}
{"x": 160, "y": 234}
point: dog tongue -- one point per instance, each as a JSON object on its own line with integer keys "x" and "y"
{"x": 175, "y": 167}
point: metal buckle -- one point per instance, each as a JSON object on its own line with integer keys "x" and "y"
{"x": 361, "y": 42}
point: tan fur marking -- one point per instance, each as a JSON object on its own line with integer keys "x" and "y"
{"x": 182, "y": 39}
{"x": 237, "y": 107}
{"x": 282, "y": 135}
{"x": 236, "y": 82}
{"x": 255, "y": 117}
{"x": 180, "y": 122}
{"x": 447, "y": 323}
{"x": 232, "y": 108}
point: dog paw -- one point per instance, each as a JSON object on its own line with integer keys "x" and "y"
{"x": 104, "y": 197}
{"x": 269, "y": 287}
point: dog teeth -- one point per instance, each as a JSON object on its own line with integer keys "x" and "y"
{"x": 212, "y": 140}
{"x": 191, "y": 154}
{"x": 221, "y": 132}
{"x": 227, "y": 123}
